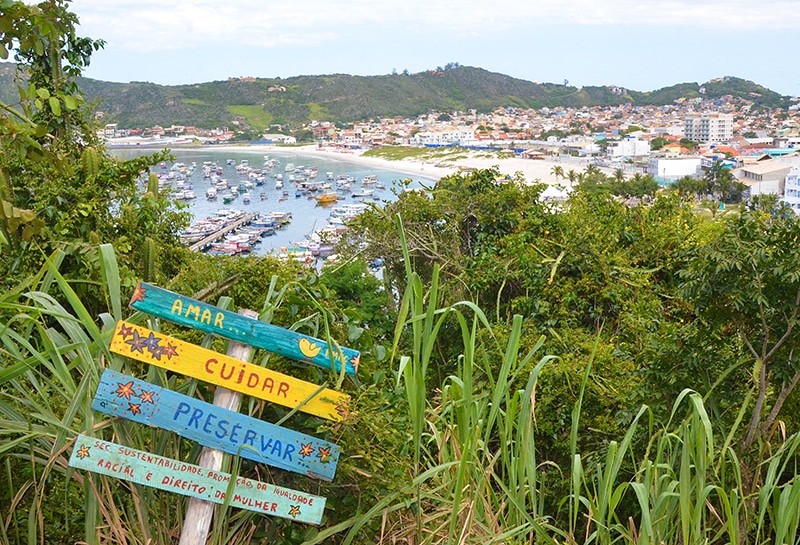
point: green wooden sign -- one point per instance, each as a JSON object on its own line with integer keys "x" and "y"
{"x": 210, "y": 319}
{"x": 171, "y": 475}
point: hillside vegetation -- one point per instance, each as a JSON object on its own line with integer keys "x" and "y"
{"x": 601, "y": 373}
{"x": 342, "y": 98}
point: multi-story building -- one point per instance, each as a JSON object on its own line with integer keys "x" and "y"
{"x": 791, "y": 195}
{"x": 666, "y": 171}
{"x": 709, "y": 128}
{"x": 628, "y": 147}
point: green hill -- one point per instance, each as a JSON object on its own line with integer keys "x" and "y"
{"x": 344, "y": 98}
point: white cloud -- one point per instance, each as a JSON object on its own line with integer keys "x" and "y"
{"x": 148, "y": 25}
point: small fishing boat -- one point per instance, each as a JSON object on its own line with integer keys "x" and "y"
{"x": 326, "y": 197}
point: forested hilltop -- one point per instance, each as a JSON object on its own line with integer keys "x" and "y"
{"x": 343, "y": 98}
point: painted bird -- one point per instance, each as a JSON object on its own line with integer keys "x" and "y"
{"x": 308, "y": 348}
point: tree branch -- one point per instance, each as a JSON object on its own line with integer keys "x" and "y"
{"x": 776, "y": 409}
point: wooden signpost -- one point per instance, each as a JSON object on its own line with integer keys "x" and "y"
{"x": 191, "y": 480}
{"x": 194, "y": 361}
{"x": 215, "y": 427}
{"x": 219, "y": 427}
{"x": 210, "y": 319}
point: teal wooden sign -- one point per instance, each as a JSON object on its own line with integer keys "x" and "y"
{"x": 210, "y": 319}
{"x": 171, "y": 475}
{"x": 215, "y": 427}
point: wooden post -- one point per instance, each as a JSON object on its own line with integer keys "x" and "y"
{"x": 199, "y": 512}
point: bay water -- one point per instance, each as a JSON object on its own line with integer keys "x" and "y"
{"x": 307, "y": 214}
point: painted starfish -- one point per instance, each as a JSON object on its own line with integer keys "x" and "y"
{"x": 146, "y": 397}
{"x": 125, "y": 331}
{"x": 324, "y": 454}
{"x": 138, "y": 343}
{"x": 139, "y": 294}
{"x": 125, "y": 390}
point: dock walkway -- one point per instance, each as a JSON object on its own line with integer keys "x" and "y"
{"x": 216, "y": 235}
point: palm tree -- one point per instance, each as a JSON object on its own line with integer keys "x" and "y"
{"x": 572, "y": 176}
{"x": 619, "y": 175}
{"x": 557, "y": 171}
{"x": 592, "y": 170}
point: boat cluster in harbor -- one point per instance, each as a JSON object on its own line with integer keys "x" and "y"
{"x": 304, "y": 180}
{"x": 321, "y": 243}
{"x": 178, "y": 176}
{"x": 233, "y": 232}
{"x": 243, "y": 219}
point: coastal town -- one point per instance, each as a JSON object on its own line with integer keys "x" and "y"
{"x": 379, "y": 305}
{"x": 667, "y": 142}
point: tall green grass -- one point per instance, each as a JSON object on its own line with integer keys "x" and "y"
{"x": 475, "y": 477}
{"x": 474, "y": 474}
{"x": 53, "y": 353}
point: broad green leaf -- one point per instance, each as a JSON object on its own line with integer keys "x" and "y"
{"x": 55, "y": 105}
{"x": 43, "y": 93}
{"x": 70, "y": 102}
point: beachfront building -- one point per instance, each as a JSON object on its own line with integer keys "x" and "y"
{"x": 709, "y": 128}
{"x": 279, "y": 138}
{"x": 443, "y": 137}
{"x": 628, "y": 147}
{"x": 667, "y": 171}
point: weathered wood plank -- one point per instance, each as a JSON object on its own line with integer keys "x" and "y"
{"x": 171, "y": 475}
{"x": 200, "y": 513}
{"x": 210, "y": 319}
{"x": 197, "y": 362}
{"x": 222, "y": 429}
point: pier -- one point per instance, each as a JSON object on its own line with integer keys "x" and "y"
{"x": 216, "y": 235}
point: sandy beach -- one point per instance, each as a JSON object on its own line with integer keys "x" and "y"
{"x": 531, "y": 169}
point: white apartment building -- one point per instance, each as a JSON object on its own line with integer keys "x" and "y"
{"x": 627, "y": 147}
{"x": 709, "y": 128}
{"x": 459, "y": 136}
{"x": 670, "y": 170}
{"x": 791, "y": 195}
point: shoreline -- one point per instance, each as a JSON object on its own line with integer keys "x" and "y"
{"x": 531, "y": 169}
{"x": 414, "y": 168}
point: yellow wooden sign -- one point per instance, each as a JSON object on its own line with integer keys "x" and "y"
{"x": 197, "y": 362}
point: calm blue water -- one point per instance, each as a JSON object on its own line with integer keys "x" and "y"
{"x": 307, "y": 215}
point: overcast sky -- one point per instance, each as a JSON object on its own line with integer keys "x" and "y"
{"x": 637, "y": 44}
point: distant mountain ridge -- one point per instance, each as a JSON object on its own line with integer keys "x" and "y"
{"x": 259, "y": 102}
